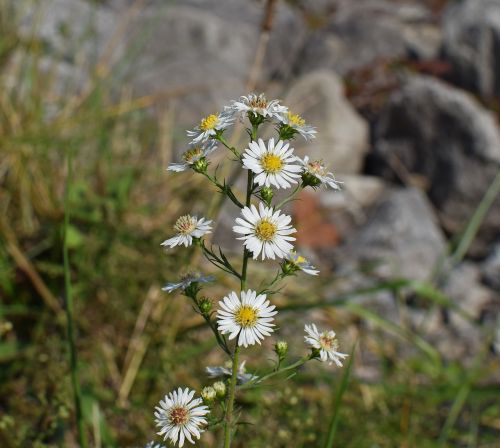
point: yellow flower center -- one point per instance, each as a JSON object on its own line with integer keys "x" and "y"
{"x": 209, "y": 122}
{"x": 328, "y": 342}
{"x": 295, "y": 120}
{"x": 300, "y": 259}
{"x": 179, "y": 415}
{"x": 265, "y": 230}
{"x": 246, "y": 316}
{"x": 271, "y": 163}
{"x": 192, "y": 154}
{"x": 185, "y": 225}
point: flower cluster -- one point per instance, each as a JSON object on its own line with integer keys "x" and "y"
{"x": 247, "y": 317}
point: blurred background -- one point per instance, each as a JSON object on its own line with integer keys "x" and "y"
{"x": 405, "y": 95}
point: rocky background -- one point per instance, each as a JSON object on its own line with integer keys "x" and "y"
{"x": 405, "y": 97}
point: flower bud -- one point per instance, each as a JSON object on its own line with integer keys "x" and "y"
{"x": 315, "y": 353}
{"x": 220, "y": 388}
{"x": 281, "y": 349}
{"x": 208, "y": 394}
{"x": 205, "y": 306}
{"x": 309, "y": 180}
{"x": 267, "y": 193}
{"x": 288, "y": 267}
{"x": 201, "y": 165}
{"x": 286, "y": 132}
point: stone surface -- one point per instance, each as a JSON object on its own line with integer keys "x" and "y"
{"x": 397, "y": 238}
{"x": 198, "y": 53}
{"x": 347, "y": 209}
{"x": 342, "y": 138}
{"x": 361, "y": 32}
{"x": 401, "y": 237}
{"x": 471, "y": 43}
{"x": 445, "y": 136}
{"x": 490, "y": 268}
{"x": 454, "y": 335}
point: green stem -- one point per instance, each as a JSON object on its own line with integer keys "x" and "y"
{"x": 295, "y": 192}
{"x": 228, "y": 146}
{"x": 226, "y": 189}
{"x": 293, "y": 366}
{"x": 228, "y": 419}
{"x": 73, "y": 360}
{"x": 230, "y": 399}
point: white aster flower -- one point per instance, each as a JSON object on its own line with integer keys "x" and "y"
{"x": 265, "y": 231}
{"x": 257, "y": 105}
{"x": 209, "y": 127}
{"x": 187, "y": 228}
{"x": 298, "y": 262}
{"x": 186, "y": 281}
{"x": 298, "y": 124}
{"x": 179, "y": 416}
{"x": 192, "y": 155}
{"x": 226, "y": 372}
{"x": 315, "y": 174}
{"x": 326, "y": 343}
{"x": 273, "y": 164}
{"x": 249, "y": 318}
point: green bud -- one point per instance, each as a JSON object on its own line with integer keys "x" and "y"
{"x": 220, "y": 389}
{"x": 286, "y": 132}
{"x": 208, "y": 394}
{"x": 205, "y": 306}
{"x": 288, "y": 268}
{"x": 281, "y": 349}
{"x": 309, "y": 180}
{"x": 255, "y": 119}
{"x": 192, "y": 290}
{"x": 201, "y": 165}
{"x": 315, "y": 353}
{"x": 267, "y": 193}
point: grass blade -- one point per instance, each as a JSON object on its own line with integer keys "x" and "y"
{"x": 338, "y": 401}
{"x": 73, "y": 360}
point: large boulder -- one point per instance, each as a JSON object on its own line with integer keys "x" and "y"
{"x": 197, "y": 52}
{"x": 490, "y": 268}
{"x": 471, "y": 43}
{"x": 342, "y": 139}
{"x": 444, "y": 135}
{"x": 361, "y": 32}
{"x": 400, "y": 237}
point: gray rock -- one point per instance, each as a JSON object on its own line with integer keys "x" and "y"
{"x": 490, "y": 268}
{"x": 471, "y": 43}
{"x": 73, "y": 30}
{"x": 348, "y": 209}
{"x": 342, "y": 139}
{"x": 433, "y": 130}
{"x": 399, "y": 238}
{"x": 401, "y": 235}
{"x": 456, "y": 336}
{"x": 197, "y": 54}
{"x": 362, "y": 32}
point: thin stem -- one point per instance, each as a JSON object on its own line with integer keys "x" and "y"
{"x": 293, "y": 366}
{"x": 230, "y": 399}
{"x": 228, "y": 419}
{"x": 228, "y": 146}
{"x": 297, "y": 190}
{"x": 73, "y": 360}
{"x": 226, "y": 189}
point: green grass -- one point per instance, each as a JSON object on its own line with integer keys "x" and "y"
{"x": 135, "y": 343}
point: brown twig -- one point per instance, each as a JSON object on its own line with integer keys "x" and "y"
{"x": 25, "y": 265}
